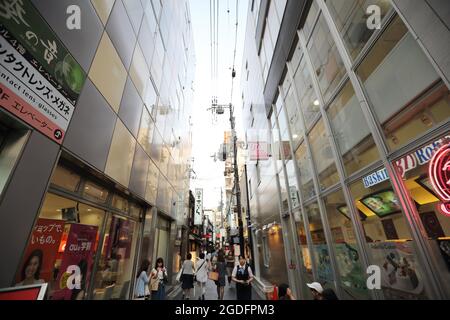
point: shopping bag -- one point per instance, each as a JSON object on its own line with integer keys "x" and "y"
{"x": 178, "y": 278}
{"x": 213, "y": 276}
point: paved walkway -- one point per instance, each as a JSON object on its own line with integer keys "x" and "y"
{"x": 211, "y": 292}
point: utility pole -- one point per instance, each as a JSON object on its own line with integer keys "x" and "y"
{"x": 219, "y": 110}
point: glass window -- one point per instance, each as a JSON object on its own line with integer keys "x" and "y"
{"x": 312, "y": 15}
{"x": 94, "y": 192}
{"x": 353, "y": 277}
{"x": 323, "y": 156}
{"x": 120, "y": 203}
{"x": 326, "y": 60}
{"x": 414, "y": 169}
{"x": 66, "y": 178}
{"x": 350, "y": 129}
{"x": 66, "y": 233}
{"x": 320, "y": 248}
{"x": 145, "y": 136}
{"x": 113, "y": 277}
{"x": 389, "y": 240}
{"x": 404, "y": 89}
{"x": 306, "y": 256}
{"x": 294, "y": 116}
{"x": 306, "y": 175}
{"x": 309, "y": 103}
{"x": 350, "y": 18}
{"x": 293, "y": 186}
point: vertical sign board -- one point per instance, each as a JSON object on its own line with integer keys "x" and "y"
{"x": 198, "y": 213}
{"x": 40, "y": 81}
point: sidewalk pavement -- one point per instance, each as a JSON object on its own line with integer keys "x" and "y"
{"x": 211, "y": 292}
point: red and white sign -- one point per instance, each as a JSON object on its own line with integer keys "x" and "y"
{"x": 258, "y": 151}
{"x": 439, "y": 174}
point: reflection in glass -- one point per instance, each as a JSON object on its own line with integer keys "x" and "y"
{"x": 351, "y": 132}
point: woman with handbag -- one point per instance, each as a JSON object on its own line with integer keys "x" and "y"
{"x": 201, "y": 276}
{"x": 158, "y": 280}
{"x": 143, "y": 278}
{"x": 187, "y": 276}
{"x": 221, "y": 269}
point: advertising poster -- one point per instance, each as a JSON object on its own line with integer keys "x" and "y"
{"x": 76, "y": 263}
{"x": 40, "y": 255}
{"x": 400, "y": 276}
{"x": 350, "y": 270}
{"x": 41, "y": 81}
{"x": 323, "y": 262}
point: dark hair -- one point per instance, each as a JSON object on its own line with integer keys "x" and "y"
{"x": 159, "y": 260}
{"x": 35, "y": 253}
{"x": 144, "y": 267}
{"x": 202, "y": 255}
{"x": 221, "y": 256}
{"x": 189, "y": 256}
{"x": 282, "y": 290}
{"x": 328, "y": 294}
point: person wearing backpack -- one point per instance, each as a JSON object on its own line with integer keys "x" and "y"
{"x": 201, "y": 275}
{"x": 243, "y": 276}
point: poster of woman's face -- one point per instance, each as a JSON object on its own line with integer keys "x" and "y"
{"x": 32, "y": 267}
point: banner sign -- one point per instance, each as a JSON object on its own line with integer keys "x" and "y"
{"x": 76, "y": 264}
{"x": 44, "y": 78}
{"x": 40, "y": 255}
{"x": 29, "y": 33}
{"x": 198, "y": 213}
{"x": 258, "y": 151}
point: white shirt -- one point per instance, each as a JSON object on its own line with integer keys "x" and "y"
{"x": 202, "y": 270}
{"x": 235, "y": 270}
{"x": 188, "y": 267}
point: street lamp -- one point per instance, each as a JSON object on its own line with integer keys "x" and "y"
{"x": 219, "y": 109}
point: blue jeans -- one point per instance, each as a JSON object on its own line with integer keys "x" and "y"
{"x": 161, "y": 293}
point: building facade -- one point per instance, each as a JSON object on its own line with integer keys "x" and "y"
{"x": 95, "y": 138}
{"x": 356, "y": 117}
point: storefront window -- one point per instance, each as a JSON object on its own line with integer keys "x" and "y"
{"x": 120, "y": 203}
{"x": 66, "y": 178}
{"x": 350, "y": 17}
{"x": 306, "y": 176}
{"x": 95, "y": 192}
{"x": 326, "y": 61}
{"x": 350, "y": 129}
{"x": 320, "y": 254}
{"x": 306, "y": 256}
{"x": 353, "y": 277}
{"x": 418, "y": 101}
{"x": 323, "y": 156}
{"x": 113, "y": 277}
{"x": 309, "y": 103}
{"x": 388, "y": 238}
{"x": 64, "y": 238}
{"x": 428, "y": 193}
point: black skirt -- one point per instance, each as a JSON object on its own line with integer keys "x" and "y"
{"x": 187, "y": 281}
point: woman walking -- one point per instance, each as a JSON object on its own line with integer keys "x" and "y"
{"x": 187, "y": 276}
{"x": 201, "y": 275}
{"x": 230, "y": 265}
{"x": 158, "y": 278}
{"x": 243, "y": 276}
{"x": 221, "y": 269}
{"x": 143, "y": 278}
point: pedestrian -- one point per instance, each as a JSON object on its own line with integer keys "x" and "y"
{"x": 158, "y": 279}
{"x": 187, "y": 277}
{"x": 316, "y": 290}
{"x": 243, "y": 276}
{"x": 221, "y": 269}
{"x": 230, "y": 265}
{"x": 141, "y": 291}
{"x": 328, "y": 294}
{"x": 284, "y": 292}
{"x": 201, "y": 275}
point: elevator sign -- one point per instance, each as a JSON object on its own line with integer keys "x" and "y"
{"x": 439, "y": 174}
{"x": 198, "y": 211}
